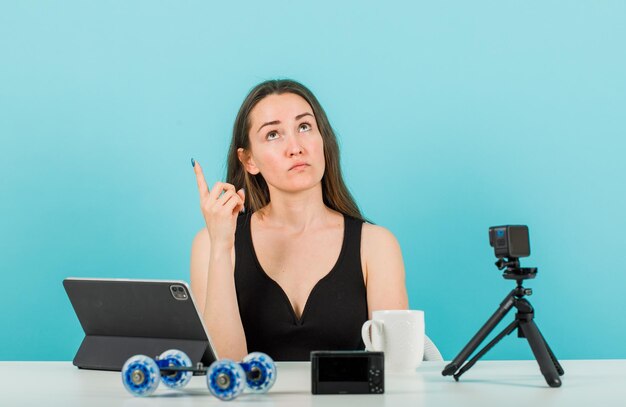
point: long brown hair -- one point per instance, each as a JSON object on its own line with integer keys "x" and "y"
{"x": 334, "y": 191}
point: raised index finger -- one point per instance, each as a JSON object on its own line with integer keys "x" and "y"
{"x": 203, "y": 188}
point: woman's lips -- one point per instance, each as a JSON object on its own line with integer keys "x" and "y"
{"x": 297, "y": 166}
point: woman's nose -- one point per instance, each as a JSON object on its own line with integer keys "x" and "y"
{"x": 293, "y": 145}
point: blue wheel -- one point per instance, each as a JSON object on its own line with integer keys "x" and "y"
{"x": 140, "y": 375}
{"x": 225, "y": 379}
{"x": 260, "y": 372}
{"x": 177, "y": 358}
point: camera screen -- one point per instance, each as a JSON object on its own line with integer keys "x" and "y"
{"x": 343, "y": 369}
{"x": 500, "y": 237}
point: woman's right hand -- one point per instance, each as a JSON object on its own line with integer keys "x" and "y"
{"x": 220, "y": 207}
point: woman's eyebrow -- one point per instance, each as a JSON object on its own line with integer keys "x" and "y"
{"x": 298, "y": 117}
{"x": 268, "y": 124}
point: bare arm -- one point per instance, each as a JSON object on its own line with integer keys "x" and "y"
{"x": 212, "y": 268}
{"x": 384, "y": 270}
{"x": 213, "y": 287}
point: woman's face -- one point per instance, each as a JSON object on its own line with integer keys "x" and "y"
{"x": 286, "y": 146}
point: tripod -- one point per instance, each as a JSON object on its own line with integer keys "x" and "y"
{"x": 524, "y": 323}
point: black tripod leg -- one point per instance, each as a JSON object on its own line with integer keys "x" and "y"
{"x": 503, "y": 309}
{"x": 507, "y": 331}
{"x": 541, "y": 352}
{"x": 557, "y": 365}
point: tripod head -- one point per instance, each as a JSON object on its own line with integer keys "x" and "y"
{"x": 514, "y": 271}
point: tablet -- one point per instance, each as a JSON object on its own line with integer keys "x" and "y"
{"x": 122, "y": 318}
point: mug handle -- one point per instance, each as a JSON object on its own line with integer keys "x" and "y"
{"x": 365, "y": 333}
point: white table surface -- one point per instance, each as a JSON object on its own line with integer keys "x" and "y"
{"x": 595, "y": 383}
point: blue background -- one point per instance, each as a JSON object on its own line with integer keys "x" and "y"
{"x": 452, "y": 117}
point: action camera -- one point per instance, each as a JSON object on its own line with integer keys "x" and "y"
{"x": 510, "y": 241}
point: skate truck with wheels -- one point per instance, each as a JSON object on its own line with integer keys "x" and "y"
{"x": 225, "y": 378}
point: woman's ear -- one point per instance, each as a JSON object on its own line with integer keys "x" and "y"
{"x": 248, "y": 162}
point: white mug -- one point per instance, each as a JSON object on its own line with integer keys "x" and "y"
{"x": 398, "y": 333}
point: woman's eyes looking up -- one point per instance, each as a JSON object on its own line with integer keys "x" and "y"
{"x": 273, "y": 135}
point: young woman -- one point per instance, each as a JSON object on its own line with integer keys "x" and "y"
{"x": 286, "y": 263}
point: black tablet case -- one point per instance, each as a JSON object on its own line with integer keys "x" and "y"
{"x": 122, "y": 318}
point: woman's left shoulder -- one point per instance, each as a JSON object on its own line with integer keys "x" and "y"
{"x": 381, "y": 256}
{"x": 374, "y": 238}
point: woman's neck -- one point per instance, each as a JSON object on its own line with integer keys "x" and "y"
{"x": 296, "y": 212}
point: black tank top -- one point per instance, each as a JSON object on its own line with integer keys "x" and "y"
{"x": 333, "y": 314}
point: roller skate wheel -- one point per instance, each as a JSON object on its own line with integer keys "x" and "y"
{"x": 140, "y": 375}
{"x": 260, "y": 372}
{"x": 225, "y": 379}
{"x": 175, "y": 357}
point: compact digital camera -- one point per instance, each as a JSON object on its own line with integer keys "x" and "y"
{"x": 347, "y": 372}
